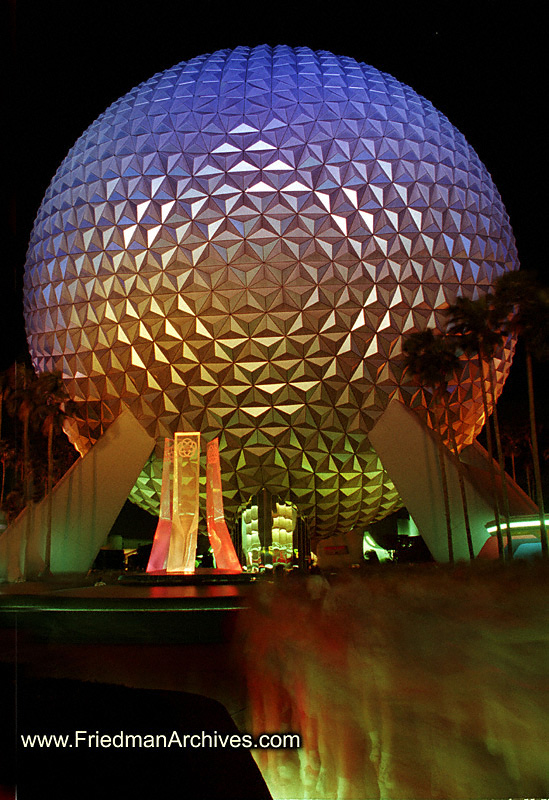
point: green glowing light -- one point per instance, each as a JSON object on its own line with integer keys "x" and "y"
{"x": 524, "y": 522}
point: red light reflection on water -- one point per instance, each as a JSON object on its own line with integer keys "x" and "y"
{"x": 188, "y": 592}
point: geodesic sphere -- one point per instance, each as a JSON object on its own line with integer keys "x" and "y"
{"x": 238, "y": 246}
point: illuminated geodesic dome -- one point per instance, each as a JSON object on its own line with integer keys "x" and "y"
{"x": 238, "y": 246}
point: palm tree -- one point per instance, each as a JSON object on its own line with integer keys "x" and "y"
{"x": 523, "y": 304}
{"x": 40, "y": 403}
{"x": 21, "y": 403}
{"x": 432, "y": 360}
{"x": 52, "y": 408}
{"x": 475, "y": 324}
{"x": 7, "y": 457}
{"x": 6, "y": 450}
{"x": 4, "y": 390}
{"x": 513, "y": 441}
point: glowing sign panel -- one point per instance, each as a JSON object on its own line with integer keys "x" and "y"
{"x": 186, "y": 467}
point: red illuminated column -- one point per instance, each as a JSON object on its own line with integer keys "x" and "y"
{"x": 161, "y": 543}
{"x": 220, "y": 539}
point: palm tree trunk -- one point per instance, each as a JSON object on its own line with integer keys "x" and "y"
{"x": 3, "y": 482}
{"x": 490, "y": 455}
{"x": 535, "y": 456}
{"x": 47, "y": 559}
{"x": 529, "y": 481}
{"x": 446, "y": 500}
{"x": 461, "y": 482}
{"x": 27, "y": 492}
{"x": 445, "y": 493}
{"x": 501, "y": 462}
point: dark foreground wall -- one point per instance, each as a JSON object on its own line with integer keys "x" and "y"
{"x": 113, "y": 755}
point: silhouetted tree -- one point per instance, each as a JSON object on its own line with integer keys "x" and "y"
{"x": 4, "y": 389}
{"x": 22, "y": 404}
{"x": 52, "y": 408}
{"x": 515, "y": 439}
{"x": 7, "y": 457}
{"x": 478, "y": 332}
{"x": 522, "y": 304}
{"x": 432, "y": 360}
{"x": 32, "y": 446}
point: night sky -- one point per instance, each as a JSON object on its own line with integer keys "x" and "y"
{"x": 479, "y": 63}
